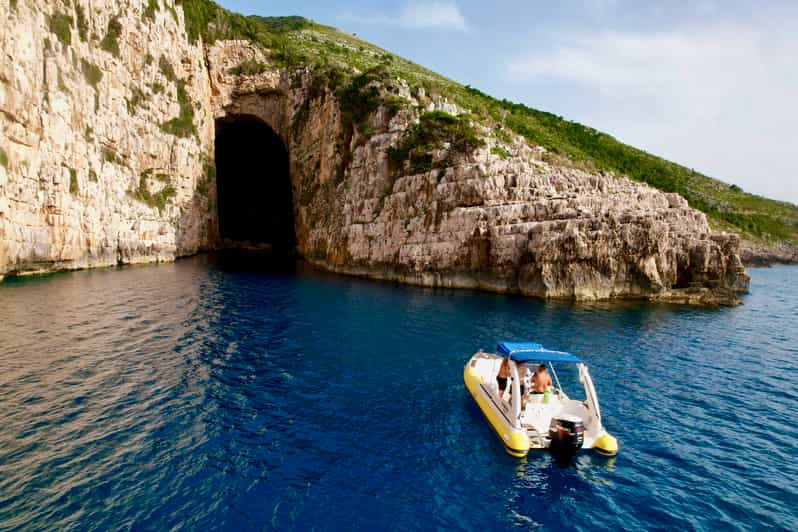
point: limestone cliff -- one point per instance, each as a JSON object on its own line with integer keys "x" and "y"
{"x": 107, "y": 125}
{"x": 759, "y": 254}
{"x": 91, "y": 173}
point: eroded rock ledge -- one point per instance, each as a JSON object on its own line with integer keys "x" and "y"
{"x": 593, "y": 237}
{"x": 759, "y": 255}
{"x": 98, "y": 172}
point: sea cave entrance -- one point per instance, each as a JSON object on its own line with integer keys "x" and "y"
{"x": 253, "y": 185}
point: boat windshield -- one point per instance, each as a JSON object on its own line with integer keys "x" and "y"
{"x": 563, "y": 376}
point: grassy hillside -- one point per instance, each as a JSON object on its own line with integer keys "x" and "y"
{"x": 340, "y": 60}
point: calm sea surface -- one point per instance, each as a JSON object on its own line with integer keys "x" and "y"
{"x": 198, "y": 395}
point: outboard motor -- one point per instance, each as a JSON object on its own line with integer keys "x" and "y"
{"x": 567, "y": 433}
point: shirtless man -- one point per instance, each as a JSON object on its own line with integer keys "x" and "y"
{"x": 504, "y": 374}
{"x": 541, "y": 381}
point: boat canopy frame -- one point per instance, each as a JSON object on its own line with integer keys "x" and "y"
{"x": 523, "y": 352}
{"x": 530, "y": 351}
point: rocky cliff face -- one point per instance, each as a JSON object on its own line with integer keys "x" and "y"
{"x": 115, "y": 167}
{"x": 758, "y": 254}
{"x": 92, "y": 174}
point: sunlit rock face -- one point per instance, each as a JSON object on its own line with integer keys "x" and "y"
{"x": 125, "y": 165}
{"x": 94, "y": 175}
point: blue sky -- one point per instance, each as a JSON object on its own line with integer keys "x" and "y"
{"x": 709, "y": 84}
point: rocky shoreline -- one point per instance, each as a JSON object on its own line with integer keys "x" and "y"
{"x": 758, "y": 255}
{"x": 108, "y": 158}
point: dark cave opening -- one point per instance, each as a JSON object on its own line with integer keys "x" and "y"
{"x": 683, "y": 277}
{"x": 253, "y": 184}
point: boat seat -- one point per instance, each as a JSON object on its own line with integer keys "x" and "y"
{"x": 538, "y": 415}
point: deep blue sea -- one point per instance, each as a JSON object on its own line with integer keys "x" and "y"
{"x": 200, "y": 395}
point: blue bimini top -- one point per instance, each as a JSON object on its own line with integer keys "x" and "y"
{"x": 529, "y": 351}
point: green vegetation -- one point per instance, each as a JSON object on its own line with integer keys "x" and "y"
{"x": 362, "y": 96}
{"x": 136, "y": 100}
{"x": 359, "y": 97}
{"x": 435, "y": 131}
{"x": 283, "y": 24}
{"x": 208, "y": 177}
{"x": 149, "y": 11}
{"x": 148, "y": 59}
{"x": 351, "y": 67}
{"x": 172, "y": 11}
{"x": 157, "y": 200}
{"x": 93, "y": 176}
{"x": 3, "y": 158}
{"x": 73, "y": 181}
{"x": 61, "y": 84}
{"x": 206, "y": 20}
{"x": 160, "y": 176}
{"x": 326, "y": 78}
{"x": 167, "y": 69}
{"x": 13, "y": 5}
{"x": 157, "y": 88}
{"x": 395, "y": 104}
{"x": 110, "y": 42}
{"x": 500, "y": 152}
{"x": 592, "y": 150}
{"x": 61, "y": 27}
{"x": 91, "y": 73}
{"x": 112, "y": 157}
{"x": 250, "y": 67}
{"x": 83, "y": 22}
{"x": 183, "y": 124}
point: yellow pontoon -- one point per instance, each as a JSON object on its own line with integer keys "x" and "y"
{"x": 536, "y": 420}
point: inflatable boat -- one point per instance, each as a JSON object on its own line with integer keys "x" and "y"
{"x": 527, "y": 418}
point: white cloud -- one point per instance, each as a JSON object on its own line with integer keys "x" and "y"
{"x": 441, "y": 15}
{"x": 721, "y": 99}
{"x": 600, "y": 8}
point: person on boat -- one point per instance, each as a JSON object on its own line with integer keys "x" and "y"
{"x": 523, "y": 378}
{"x": 541, "y": 380}
{"x": 504, "y": 374}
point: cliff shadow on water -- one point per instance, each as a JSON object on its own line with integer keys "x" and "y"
{"x": 255, "y": 201}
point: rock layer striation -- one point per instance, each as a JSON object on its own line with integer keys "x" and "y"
{"x": 109, "y": 159}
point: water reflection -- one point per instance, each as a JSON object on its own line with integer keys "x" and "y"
{"x": 210, "y": 395}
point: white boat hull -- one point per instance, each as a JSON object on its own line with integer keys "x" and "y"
{"x": 525, "y": 425}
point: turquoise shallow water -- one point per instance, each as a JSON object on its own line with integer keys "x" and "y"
{"x": 199, "y": 395}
